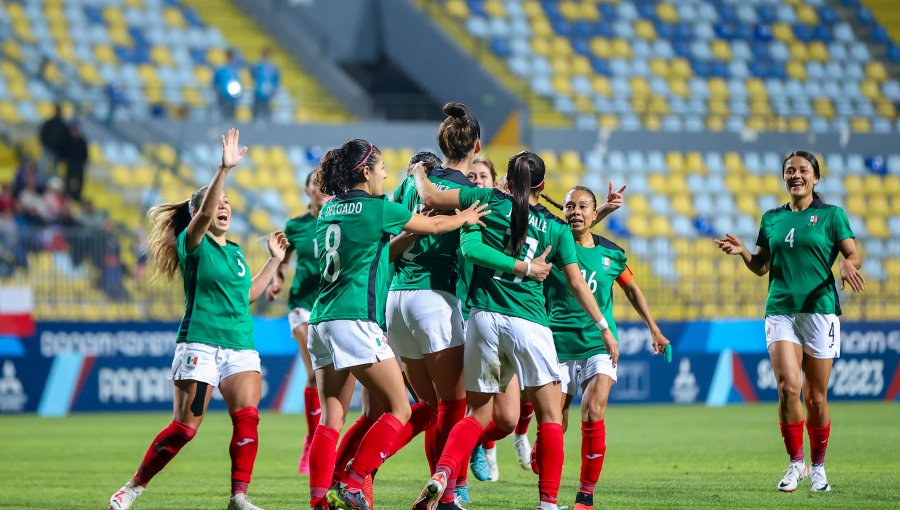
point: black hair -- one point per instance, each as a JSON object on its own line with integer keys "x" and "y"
{"x": 341, "y": 168}
{"x": 458, "y": 132}
{"x": 311, "y": 176}
{"x": 560, "y": 206}
{"x": 524, "y": 176}
{"x": 424, "y": 157}
{"x": 811, "y": 158}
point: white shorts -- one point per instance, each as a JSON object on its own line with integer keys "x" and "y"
{"x": 576, "y": 373}
{"x": 346, "y": 344}
{"x": 819, "y": 334}
{"x": 298, "y": 317}
{"x": 421, "y": 322}
{"x": 498, "y": 346}
{"x": 194, "y": 361}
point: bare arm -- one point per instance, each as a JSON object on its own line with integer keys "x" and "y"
{"x": 614, "y": 200}
{"x": 278, "y": 280}
{"x": 401, "y": 243}
{"x": 636, "y": 297}
{"x": 444, "y": 200}
{"x": 585, "y": 298}
{"x": 440, "y": 224}
{"x": 277, "y": 247}
{"x": 850, "y": 266}
{"x": 201, "y": 221}
{"x": 757, "y": 262}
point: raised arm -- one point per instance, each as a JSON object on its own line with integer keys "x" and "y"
{"x": 274, "y": 289}
{"x": 231, "y": 156}
{"x": 757, "y": 262}
{"x": 850, "y": 265}
{"x": 585, "y": 298}
{"x": 473, "y": 248}
{"x": 636, "y": 298}
{"x": 614, "y": 200}
{"x": 444, "y": 200}
{"x": 278, "y": 245}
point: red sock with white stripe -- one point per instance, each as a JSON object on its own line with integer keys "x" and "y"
{"x": 244, "y": 445}
{"x": 312, "y": 409}
{"x": 593, "y": 451}
{"x": 792, "y": 433}
{"x": 165, "y": 447}
{"x": 375, "y": 447}
{"x": 350, "y": 445}
{"x": 550, "y": 460}
{"x": 321, "y": 464}
{"x": 818, "y": 442}
{"x": 526, "y": 412}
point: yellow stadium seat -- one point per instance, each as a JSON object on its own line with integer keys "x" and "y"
{"x": 718, "y": 88}
{"x": 682, "y": 205}
{"x": 695, "y": 164}
{"x": 215, "y": 57}
{"x": 589, "y": 12}
{"x": 608, "y": 122}
{"x": 638, "y": 205}
{"x": 861, "y": 125}
{"x": 658, "y": 105}
{"x": 660, "y": 227}
{"x": 747, "y": 205}
{"x": 657, "y": 182}
{"x": 679, "y": 88}
{"x": 581, "y": 66}
{"x": 667, "y": 12}
{"x": 799, "y": 124}
{"x": 532, "y": 9}
{"x": 203, "y": 75}
{"x": 104, "y": 54}
{"x": 875, "y": 71}
{"x": 681, "y": 68}
{"x": 798, "y": 51}
{"x": 823, "y": 107}
{"x": 734, "y": 163}
{"x": 783, "y": 32}
{"x": 797, "y": 70}
{"x": 541, "y": 46}
{"x": 561, "y": 66}
{"x": 601, "y": 85}
{"x": 621, "y": 48}
{"x": 877, "y": 226}
{"x": 644, "y": 30}
{"x": 675, "y": 162}
{"x": 715, "y": 124}
{"x": 561, "y": 46}
{"x": 570, "y": 161}
{"x": 570, "y": 10}
{"x": 173, "y": 17}
{"x": 601, "y": 47}
{"x": 773, "y": 184}
{"x": 718, "y": 107}
{"x": 638, "y": 225}
{"x": 807, "y": 15}
{"x": 120, "y": 37}
{"x": 760, "y": 107}
{"x": 819, "y": 52}
{"x": 540, "y": 27}
{"x": 562, "y": 85}
{"x": 721, "y": 50}
{"x": 660, "y": 67}
{"x": 89, "y": 73}
{"x": 457, "y": 9}
{"x": 550, "y": 159}
{"x": 639, "y": 87}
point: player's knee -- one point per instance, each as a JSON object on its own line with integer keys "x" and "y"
{"x": 401, "y": 410}
{"x": 816, "y": 400}
{"x": 332, "y": 418}
{"x": 593, "y": 411}
{"x": 789, "y": 387}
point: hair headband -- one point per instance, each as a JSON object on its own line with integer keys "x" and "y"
{"x": 361, "y": 163}
{"x": 538, "y": 185}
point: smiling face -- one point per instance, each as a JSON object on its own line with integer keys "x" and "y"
{"x": 222, "y": 219}
{"x": 580, "y": 209}
{"x": 480, "y": 174}
{"x": 799, "y": 177}
{"x": 375, "y": 177}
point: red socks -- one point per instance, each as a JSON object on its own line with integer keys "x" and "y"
{"x": 165, "y": 447}
{"x": 375, "y": 447}
{"x": 244, "y": 445}
{"x": 792, "y": 433}
{"x": 321, "y": 463}
{"x": 349, "y": 445}
{"x": 421, "y": 419}
{"x": 462, "y": 439}
{"x": 526, "y": 411}
{"x": 312, "y": 408}
{"x": 549, "y": 460}
{"x": 450, "y": 412}
{"x": 492, "y": 433}
{"x": 430, "y": 439}
{"x": 593, "y": 451}
{"x": 818, "y": 441}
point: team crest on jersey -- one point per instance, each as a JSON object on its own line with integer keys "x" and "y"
{"x": 813, "y": 220}
{"x": 606, "y": 263}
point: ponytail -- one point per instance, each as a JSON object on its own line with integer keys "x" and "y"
{"x": 552, "y": 202}
{"x": 458, "y": 132}
{"x": 525, "y": 175}
{"x": 168, "y": 221}
{"x": 342, "y": 168}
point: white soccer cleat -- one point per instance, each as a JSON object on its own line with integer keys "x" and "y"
{"x": 795, "y": 472}
{"x": 523, "y": 450}
{"x": 490, "y": 455}
{"x": 819, "y": 480}
{"x": 430, "y": 496}
{"x": 124, "y": 497}
{"x": 240, "y": 502}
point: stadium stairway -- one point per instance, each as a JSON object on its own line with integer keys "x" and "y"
{"x": 240, "y": 30}
{"x": 877, "y": 22}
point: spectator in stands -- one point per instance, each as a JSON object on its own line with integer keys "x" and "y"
{"x": 140, "y": 248}
{"x": 26, "y": 166}
{"x": 115, "y": 96}
{"x": 227, "y": 83}
{"x": 75, "y": 154}
{"x": 7, "y": 199}
{"x": 54, "y": 136}
{"x": 267, "y": 78}
{"x": 29, "y": 202}
{"x": 56, "y": 205}
{"x": 112, "y": 270}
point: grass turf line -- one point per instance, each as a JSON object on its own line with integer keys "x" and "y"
{"x": 658, "y": 457}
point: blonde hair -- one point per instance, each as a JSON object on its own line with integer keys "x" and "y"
{"x": 167, "y": 221}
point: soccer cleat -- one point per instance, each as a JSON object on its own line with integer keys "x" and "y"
{"x": 549, "y": 506}
{"x": 449, "y": 505}
{"x": 479, "y": 464}
{"x": 303, "y": 465}
{"x": 346, "y": 499}
{"x": 367, "y": 491}
{"x": 124, "y": 497}
{"x": 240, "y": 502}
{"x": 462, "y": 494}
{"x": 819, "y": 480}
{"x": 795, "y": 472}
{"x": 490, "y": 455}
{"x": 584, "y": 501}
{"x": 523, "y": 450}
{"x": 429, "y": 497}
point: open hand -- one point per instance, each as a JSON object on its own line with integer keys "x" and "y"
{"x": 278, "y": 244}
{"x": 731, "y": 245}
{"x": 472, "y": 215}
{"x": 231, "y": 155}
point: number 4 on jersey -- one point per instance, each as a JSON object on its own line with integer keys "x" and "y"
{"x": 790, "y": 238}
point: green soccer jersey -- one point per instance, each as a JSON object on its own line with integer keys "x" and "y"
{"x": 803, "y": 246}
{"x": 216, "y": 294}
{"x": 431, "y": 261}
{"x": 574, "y": 333}
{"x": 506, "y": 293}
{"x": 466, "y": 269}
{"x": 353, "y": 232}
{"x": 301, "y": 233}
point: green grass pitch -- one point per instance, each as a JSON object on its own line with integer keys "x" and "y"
{"x": 658, "y": 457}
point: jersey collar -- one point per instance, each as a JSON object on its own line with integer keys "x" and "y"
{"x": 817, "y": 203}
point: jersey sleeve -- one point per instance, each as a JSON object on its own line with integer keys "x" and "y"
{"x": 395, "y": 217}
{"x": 565, "y": 251}
{"x": 468, "y": 196}
{"x": 762, "y": 239}
{"x": 625, "y": 277}
{"x": 840, "y": 226}
{"x": 397, "y": 197}
{"x": 182, "y": 249}
{"x": 474, "y": 249}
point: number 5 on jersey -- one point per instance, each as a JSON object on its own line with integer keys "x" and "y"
{"x": 332, "y": 258}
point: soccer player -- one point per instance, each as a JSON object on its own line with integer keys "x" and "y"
{"x": 215, "y": 340}
{"x": 300, "y": 233}
{"x": 345, "y": 339}
{"x": 584, "y": 361}
{"x": 797, "y": 245}
{"x": 508, "y": 327}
